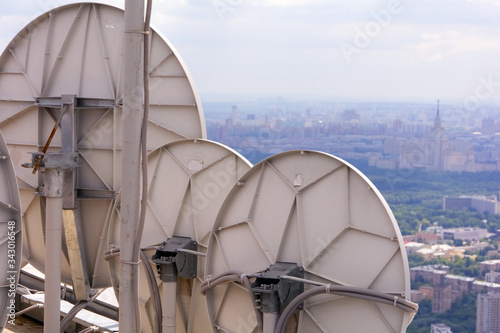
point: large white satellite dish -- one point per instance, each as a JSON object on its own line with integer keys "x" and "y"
{"x": 318, "y": 212}
{"x": 188, "y": 182}
{"x": 10, "y": 236}
{"x": 76, "y": 50}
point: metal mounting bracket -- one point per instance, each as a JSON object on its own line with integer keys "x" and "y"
{"x": 274, "y": 292}
{"x": 170, "y": 259}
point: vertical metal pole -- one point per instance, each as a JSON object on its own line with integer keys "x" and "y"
{"x": 133, "y": 94}
{"x": 169, "y": 303}
{"x": 53, "y": 243}
{"x": 58, "y": 186}
{"x": 269, "y": 322}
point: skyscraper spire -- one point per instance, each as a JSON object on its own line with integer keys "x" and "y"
{"x": 437, "y": 120}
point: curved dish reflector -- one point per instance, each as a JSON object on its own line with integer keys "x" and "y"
{"x": 188, "y": 182}
{"x": 319, "y": 212}
{"x": 10, "y": 236}
{"x": 77, "y": 50}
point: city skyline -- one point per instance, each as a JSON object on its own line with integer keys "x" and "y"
{"x": 389, "y": 136}
{"x": 395, "y": 49}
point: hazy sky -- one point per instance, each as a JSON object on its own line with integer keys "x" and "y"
{"x": 447, "y": 49}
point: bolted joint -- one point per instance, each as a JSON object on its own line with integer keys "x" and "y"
{"x": 53, "y": 184}
{"x": 58, "y": 176}
{"x": 61, "y": 160}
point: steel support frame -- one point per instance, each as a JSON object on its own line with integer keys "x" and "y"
{"x": 59, "y": 183}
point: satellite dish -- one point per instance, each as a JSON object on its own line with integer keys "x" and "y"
{"x": 320, "y": 213}
{"x": 188, "y": 182}
{"x": 10, "y": 236}
{"x": 76, "y": 50}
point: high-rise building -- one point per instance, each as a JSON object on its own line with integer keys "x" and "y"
{"x": 427, "y": 154}
{"x": 489, "y": 266}
{"x": 441, "y": 298}
{"x": 479, "y": 203}
{"x": 234, "y": 114}
{"x": 493, "y": 277}
{"x": 488, "y": 126}
{"x": 440, "y": 142}
{"x": 488, "y": 313}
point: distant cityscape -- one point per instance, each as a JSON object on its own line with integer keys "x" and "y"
{"x": 387, "y": 135}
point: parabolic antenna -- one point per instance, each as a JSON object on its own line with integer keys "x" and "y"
{"x": 188, "y": 182}
{"x": 10, "y": 236}
{"x": 76, "y": 51}
{"x": 320, "y": 213}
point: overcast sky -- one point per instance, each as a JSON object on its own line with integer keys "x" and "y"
{"x": 375, "y": 49}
